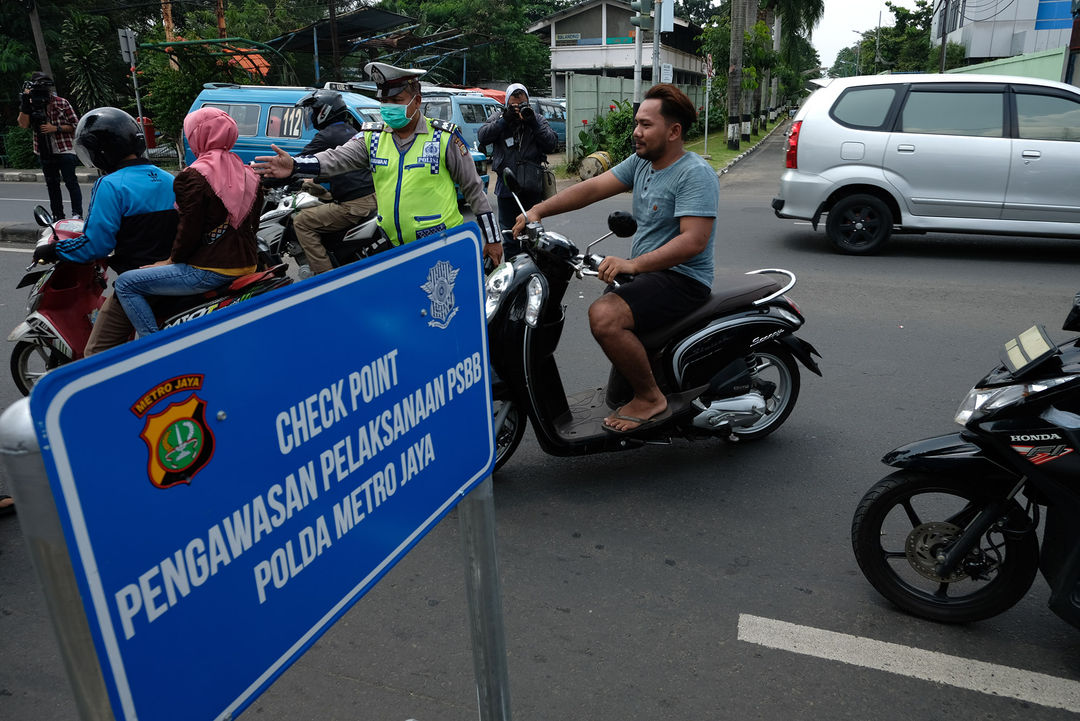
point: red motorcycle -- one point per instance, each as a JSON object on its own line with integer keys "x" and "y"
{"x": 65, "y": 299}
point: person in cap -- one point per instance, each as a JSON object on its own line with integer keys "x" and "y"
{"x": 520, "y": 141}
{"x": 54, "y": 121}
{"x": 414, "y": 164}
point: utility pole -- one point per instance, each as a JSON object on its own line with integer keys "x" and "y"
{"x": 39, "y": 39}
{"x": 944, "y": 31}
{"x": 221, "y": 19}
{"x": 334, "y": 41}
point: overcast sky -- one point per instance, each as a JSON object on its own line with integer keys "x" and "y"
{"x": 842, "y": 17}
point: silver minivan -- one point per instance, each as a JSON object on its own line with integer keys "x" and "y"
{"x": 944, "y": 153}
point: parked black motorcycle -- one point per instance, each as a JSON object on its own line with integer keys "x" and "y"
{"x": 953, "y": 535}
{"x": 728, "y": 369}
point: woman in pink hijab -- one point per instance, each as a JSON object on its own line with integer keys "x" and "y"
{"x": 218, "y": 198}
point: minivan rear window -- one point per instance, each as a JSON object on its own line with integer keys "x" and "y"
{"x": 246, "y": 116}
{"x": 474, "y": 112}
{"x": 954, "y": 113}
{"x": 1045, "y": 117}
{"x": 864, "y": 108}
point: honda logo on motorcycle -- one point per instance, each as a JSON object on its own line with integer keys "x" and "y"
{"x": 440, "y": 292}
{"x": 178, "y": 439}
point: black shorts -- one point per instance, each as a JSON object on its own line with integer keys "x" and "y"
{"x": 660, "y": 298}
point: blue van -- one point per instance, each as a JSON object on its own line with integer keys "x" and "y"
{"x": 268, "y": 114}
{"x": 554, "y": 111}
{"x": 468, "y": 110}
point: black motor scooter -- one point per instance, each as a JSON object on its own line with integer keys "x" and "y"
{"x": 728, "y": 369}
{"x": 953, "y": 535}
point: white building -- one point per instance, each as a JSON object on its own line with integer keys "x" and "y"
{"x": 990, "y": 29}
{"x": 597, "y": 38}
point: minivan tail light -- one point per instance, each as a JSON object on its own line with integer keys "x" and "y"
{"x": 792, "y": 159}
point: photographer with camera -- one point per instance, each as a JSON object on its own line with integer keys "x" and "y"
{"x": 520, "y": 140}
{"x": 54, "y": 121}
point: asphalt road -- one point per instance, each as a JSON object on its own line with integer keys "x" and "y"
{"x": 673, "y": 581}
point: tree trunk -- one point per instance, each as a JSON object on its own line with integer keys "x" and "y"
{"x": 734, "y": 88}
{"x": 749, "y": 20}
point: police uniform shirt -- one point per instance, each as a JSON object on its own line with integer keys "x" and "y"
{"x": 459, "y": 162}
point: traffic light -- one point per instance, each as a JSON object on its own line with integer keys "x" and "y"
{"x": 644, "y": 17}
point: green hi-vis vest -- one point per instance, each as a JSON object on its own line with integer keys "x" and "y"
{"x": 414, "y": 191}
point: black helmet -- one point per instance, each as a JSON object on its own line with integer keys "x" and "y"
{"x": 105, "y": 136}
{"x": 324, "y": 107}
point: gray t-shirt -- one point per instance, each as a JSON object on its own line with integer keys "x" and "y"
{"x": 686, "y": 187}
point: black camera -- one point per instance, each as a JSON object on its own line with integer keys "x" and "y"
{"x": 35, "y": 99}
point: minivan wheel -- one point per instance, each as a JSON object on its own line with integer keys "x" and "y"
{"x": 859, "y": 224}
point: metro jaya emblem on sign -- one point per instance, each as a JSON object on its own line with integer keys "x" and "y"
{"x": 179, "y": 441}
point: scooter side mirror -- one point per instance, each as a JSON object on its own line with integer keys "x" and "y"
{"x": 510, "y": 181}
{"x": 1072, "y": 321}
{"x": 622, "y": 224}
{"x": 42, "y": 216}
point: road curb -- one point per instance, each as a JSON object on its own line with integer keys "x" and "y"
{"x": 18, "y": 232}
{"x": 749, "y": 150}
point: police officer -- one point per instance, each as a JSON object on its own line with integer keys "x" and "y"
{"x": 353, "y": 193}
{"x": 414, "y": 164}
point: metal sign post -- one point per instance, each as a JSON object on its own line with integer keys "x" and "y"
{"x": 128, "y": 49}
{"x": 224, "y": 520}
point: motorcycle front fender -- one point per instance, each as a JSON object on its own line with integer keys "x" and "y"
{"x": 945, "y": 454}
{"x": 20, "y": 332}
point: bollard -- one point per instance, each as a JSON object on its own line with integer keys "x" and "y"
{"x": 40, "y": 523}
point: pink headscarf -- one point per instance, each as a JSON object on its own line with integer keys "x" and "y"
{"x": 211, "y": 133}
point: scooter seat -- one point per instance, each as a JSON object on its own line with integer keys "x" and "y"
{"x": 733, "y": 292}
{"x": 251, "y": 278}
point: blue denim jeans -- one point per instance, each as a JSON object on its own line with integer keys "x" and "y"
{"x": 133, "y": 287}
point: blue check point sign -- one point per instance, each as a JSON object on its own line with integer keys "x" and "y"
{"x": 247, "y": 478}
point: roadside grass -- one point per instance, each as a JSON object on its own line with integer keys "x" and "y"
{"x": 719, "y": 153}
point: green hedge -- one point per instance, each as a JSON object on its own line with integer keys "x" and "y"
{"x": 19, "y": 148}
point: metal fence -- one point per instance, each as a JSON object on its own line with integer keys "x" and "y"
{"x": 588, "y": 96}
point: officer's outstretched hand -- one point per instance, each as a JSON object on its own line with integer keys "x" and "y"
{"x": 274, "y": 166}
{"x": 494, "y": 251}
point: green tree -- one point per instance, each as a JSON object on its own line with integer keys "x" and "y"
{"x": 92, "y": 76}
{"x": 499, "y": 49}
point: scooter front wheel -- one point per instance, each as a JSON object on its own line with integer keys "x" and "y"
{"x": 906, "y": 523}
{"x": 509, "y": 434}
{"x": 776, "y": 374}
{"x": 30, "y": 360}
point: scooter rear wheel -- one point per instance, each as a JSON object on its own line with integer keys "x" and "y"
{"x": 31, "y": 360}
{"x": 773, "y": 364}
{"x": 907, "y": 520}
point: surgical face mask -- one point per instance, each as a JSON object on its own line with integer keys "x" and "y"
{"x": 394, "y": 115}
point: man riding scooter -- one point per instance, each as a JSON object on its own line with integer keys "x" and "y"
{"x": 131, "y": 213}
{"x": 675, "y": 203}
{"x": 353, "y": 193}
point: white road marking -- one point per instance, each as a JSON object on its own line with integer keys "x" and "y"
{"x": 801, "y": 222}
{"x": 917, "y": 663}
{"x": 16, "y": 250}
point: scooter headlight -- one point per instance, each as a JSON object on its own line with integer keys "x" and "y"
{"x": 980, "y": 401}
{"x": 534, "y": 299}
{"x": 497, "y": 283}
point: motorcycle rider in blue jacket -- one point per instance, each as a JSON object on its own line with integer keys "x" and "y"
{"x": 131, "y": 213}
